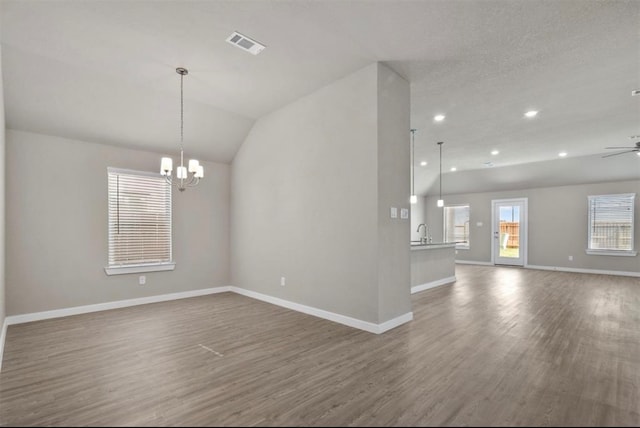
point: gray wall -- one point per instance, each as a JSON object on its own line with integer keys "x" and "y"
{"x": 56, "y": 236}
{"x": 429, "y": 265}
{"x": 394, "y": 258}
{"x": 558, "y": 219}
{"x": 305, "y": 200}
{"x": 2, "y": 205}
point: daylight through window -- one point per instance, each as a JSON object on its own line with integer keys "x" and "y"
{"x": 456, "y": 225}
{"x": 611, "y": 222}
{"x": 139, "y": 219}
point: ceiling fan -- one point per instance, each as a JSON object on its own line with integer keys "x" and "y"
{"x": 635, "y": 148}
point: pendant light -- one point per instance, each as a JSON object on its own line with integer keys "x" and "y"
{"x": 440, "y": 200}
{"x": 182, "y": 180}
{"x": 413, "y": 199}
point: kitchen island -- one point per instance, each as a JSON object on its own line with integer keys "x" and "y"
{"x": 432, "y": 265}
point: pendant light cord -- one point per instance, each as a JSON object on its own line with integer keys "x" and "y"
{"x": 413, "y": 174}
{"x": 440, "y": 144}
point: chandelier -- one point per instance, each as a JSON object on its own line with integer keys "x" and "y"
{"x": 182, "y": 179}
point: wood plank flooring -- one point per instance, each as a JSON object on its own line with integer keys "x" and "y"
{"x": 501, "y": 346}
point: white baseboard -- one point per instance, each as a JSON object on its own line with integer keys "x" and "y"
{"x": 432, "y": 284}
{"x": 331, "y": 316}
{"x": 579, "y": 270}
{"x": 76, "y": 310}
{"x": 3, "y": 337}
{"x": 471, "y": 262}
{"x": 320, "y": 313}
{"x": 395, "y": 322}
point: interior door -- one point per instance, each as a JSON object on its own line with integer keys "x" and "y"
{"x": 509, "y": 229}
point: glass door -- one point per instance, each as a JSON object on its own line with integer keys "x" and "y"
{"x": 509, "y": 232}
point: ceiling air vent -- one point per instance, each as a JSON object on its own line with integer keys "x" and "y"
{"x": 636, "y": 92}
{"x": 245, "y": 43}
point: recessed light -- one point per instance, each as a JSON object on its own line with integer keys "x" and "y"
{"x": 453, "y": 168}
{"x": 495, "y": 152}
{"x": 531, "y": 113}
{"x": 638, "y": 153}
{"x": 438, "y": 117}
{"x": 635, "y": 92}
{"x": 423, "y": 163}
{"x": 562, "y": 154}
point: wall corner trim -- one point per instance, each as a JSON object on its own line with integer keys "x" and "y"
{"x": 580, "y": 270}
{"x": 394, "y": 322}
{"x": 432, "y": 284}
{"x": 3, "y": 337}
{"x": 331, "y": 316}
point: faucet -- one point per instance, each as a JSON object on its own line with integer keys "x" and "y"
{"x": 423, "y": 240}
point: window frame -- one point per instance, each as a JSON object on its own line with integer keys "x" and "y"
{"x": 119, "y": 269}
{"x": 606, "y": 251}
{"x": 459, "y": 246}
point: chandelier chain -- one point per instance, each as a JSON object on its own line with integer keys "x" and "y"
{"x": 181, "y": 112}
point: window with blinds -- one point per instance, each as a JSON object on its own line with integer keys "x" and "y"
{"x": 456, "y": 225}
{"x": 139, "y": 220}
{"x": 611, "y": 222}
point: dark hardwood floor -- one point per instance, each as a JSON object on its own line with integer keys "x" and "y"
{"x": 501, "y": 346}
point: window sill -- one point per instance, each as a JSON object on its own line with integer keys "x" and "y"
{"x": 624, "y": 253}
{"x": 156, "y": 267}
{"x": 462, "y": 247}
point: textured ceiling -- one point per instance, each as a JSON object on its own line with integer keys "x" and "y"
{"x": 103, "y": 71}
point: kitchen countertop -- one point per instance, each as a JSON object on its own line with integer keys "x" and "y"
{"x": 431, "y": 246}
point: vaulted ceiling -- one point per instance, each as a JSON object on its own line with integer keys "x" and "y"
{"x": 104, "y": 71}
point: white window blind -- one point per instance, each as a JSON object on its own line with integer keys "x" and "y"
{"x": 456, "y": 225}
{"x": 139, "y": 218}
{"x": 611, "y": 222}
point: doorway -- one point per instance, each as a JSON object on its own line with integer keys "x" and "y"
{"x": 509, "y": 232}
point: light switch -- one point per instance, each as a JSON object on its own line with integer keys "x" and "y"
{"x": 404, "y": 213}
{"x": 394, "y": 212}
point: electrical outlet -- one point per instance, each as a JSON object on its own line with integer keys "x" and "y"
{"x": 282, "y": 280}
{"x": 142, "y": 280}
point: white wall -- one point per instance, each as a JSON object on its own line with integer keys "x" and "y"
{"x": 56, "y": 236}
{"x": 305, "y": 201}
{"x": 558, "y": 218}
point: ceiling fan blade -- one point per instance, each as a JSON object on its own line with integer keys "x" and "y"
{"x": 619, "y": 153}
{"x": 627, "y": 147}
